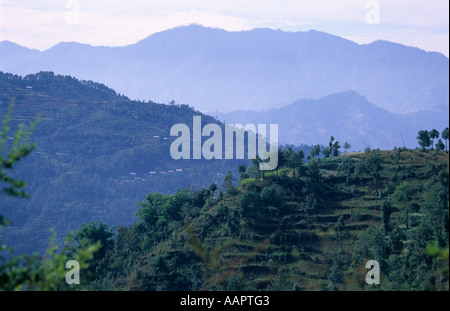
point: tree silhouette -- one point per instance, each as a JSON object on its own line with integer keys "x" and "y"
{"x": 440, "y": 145}
{"x": 326, "y": 152}
{"x": 330, "y": 144}
{"x": 433, "y": 135}
{"x": 336, "y": 148}
{"x": 444, "y": 135}
{"x": 424, "y": 139}
{"x": 315, "y": 151}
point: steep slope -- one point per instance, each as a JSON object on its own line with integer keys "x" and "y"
{"x": 98, "y": 153}
{"x": 310, "y": 231}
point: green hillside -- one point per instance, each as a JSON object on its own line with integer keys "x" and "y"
{"x": 309, "y": 229}
{"x": 97, "y": 154}
{"x": 208, "y": 225}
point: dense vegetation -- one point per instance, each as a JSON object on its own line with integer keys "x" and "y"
{"x": 32, "y": 272}
{"x": 311, "y": 224}
{"x": 308, "y": 227}
{"x": 94, "y": 153}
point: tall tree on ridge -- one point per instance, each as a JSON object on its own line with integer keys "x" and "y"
{"x": 433, "y": 135}
{"x": 445, "y": 135}
{"x": 424, "y": 139}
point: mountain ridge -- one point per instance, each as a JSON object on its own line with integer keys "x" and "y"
{"x": 212, "y": 68}
{"x": 348, "y": 116}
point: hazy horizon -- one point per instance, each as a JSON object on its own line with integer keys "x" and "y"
{"x": 46, "y": 23}
{"x": 243, "y": 30}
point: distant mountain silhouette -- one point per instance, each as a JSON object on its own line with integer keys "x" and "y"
{"x": 257, "y": 69}
{"x": 347, "y": 116}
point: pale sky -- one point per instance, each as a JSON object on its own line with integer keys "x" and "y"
{"x": 40, "y": 24}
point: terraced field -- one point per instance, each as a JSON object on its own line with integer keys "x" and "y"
{"x": 288, "y": 249}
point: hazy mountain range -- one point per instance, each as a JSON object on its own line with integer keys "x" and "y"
{"x": 347, "y": 116}
{"x": 259, "y": 69}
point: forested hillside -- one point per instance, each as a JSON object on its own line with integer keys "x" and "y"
{"x": 303, "y": 227}
{"x": 101, "y": 170}
{"x": 97, "y": 154}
